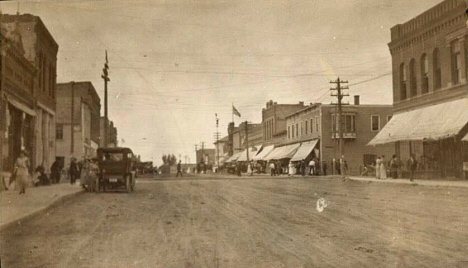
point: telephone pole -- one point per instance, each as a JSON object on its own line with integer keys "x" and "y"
{"x": 203, "y": 151}
{"x": 196, "y": 154}
{"x": 247, "y": 139}
{"x": 339, "y": 95}
{"x": 105, "y": 77}
{"x": 217, "y": 140}
{"x": 72, "y": 123}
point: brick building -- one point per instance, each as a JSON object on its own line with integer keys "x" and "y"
{"x": 429, "y": 62}
{"x": 274, "y": 121}
{"x": 108, "y": 135}
{"x": 316, "y": 124}
{"x": 86, "y": 105}
{"x": 41, "y": 50}
{"x": 16, "y": 99}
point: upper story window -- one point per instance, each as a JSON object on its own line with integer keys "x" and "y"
{"x": 424, "y": 74}
{"x": 305, "y": 127}
{"x": 297, "y": 129}
{"x": 59, "y": 132}
{"x": 311, "y": 125}
{"x": 402, "y": 81}
{"x": 456, "y": 61}
{"x": 412, "y": 74}
{"x": 375, "y": 123}
{"x": 348, "y": 121}
{"x": 289, "y": 132}
{"x": 437, "y": 69}
{"x": 292, "y": 127}
{"x": 302, "y": 128}
{"x": 316, "y": 124}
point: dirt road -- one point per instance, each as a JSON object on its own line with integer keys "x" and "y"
{"x": 249, "y": 223}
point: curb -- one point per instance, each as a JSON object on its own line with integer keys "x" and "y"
{"x": 36, "y": 213}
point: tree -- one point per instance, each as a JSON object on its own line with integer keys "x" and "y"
{"x": 169, "y": 159}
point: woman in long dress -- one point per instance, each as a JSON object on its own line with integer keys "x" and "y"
{"x": 378, "y": 163}
{"x": 22, "y": 173}
{"x": 383, "y": 169}
{"x": 291, "y": 169}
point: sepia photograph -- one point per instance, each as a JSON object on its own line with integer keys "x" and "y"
{"x": 233, "y": 134}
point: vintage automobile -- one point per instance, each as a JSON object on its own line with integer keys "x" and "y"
{"x": 116, "y": 169}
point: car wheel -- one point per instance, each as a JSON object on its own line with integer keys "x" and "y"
{"x": 127, "y": 184}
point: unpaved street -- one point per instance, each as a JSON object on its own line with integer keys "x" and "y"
{"x": 244, "y": 222}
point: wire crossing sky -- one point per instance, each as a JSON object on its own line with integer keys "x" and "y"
{"x": 174, "y": 64}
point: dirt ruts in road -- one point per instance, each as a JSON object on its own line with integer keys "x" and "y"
{"x": 248, "y": 223}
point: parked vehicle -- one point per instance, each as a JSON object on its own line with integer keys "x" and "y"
{"x": 116, "y": 169}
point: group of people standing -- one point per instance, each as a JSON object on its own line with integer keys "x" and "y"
{"x": 395, "y": 167}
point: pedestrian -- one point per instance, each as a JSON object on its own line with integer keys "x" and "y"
{"x": 55, "y": 171}
{"x": 324, "y": 166}
{"x": 303, "y": 167}
{"x": 383, "y": 168}
{"x": 272, "y": 169}
{"x": 73, "y": 171}
{"x": 291, "y": 169}
{"x": 21, "y": 172}
{"x": 179, "y": 169}
{"x": 412, "y": 164}
{"x": 279, "y": 168}
{"x": 249, "y": 169}
{"x": 378, "y": 163}
{"x": 394, "y": 167}
{"x": 312, "y": 167}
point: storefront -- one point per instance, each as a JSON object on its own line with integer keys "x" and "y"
{"x": 433, "y": 134}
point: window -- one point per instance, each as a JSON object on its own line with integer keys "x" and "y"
{"x": 437, "y": 69}
{"x": 402, "y": 81}
{"x": 306, "y": 127}
{"x": 302, "y": 127}
{"x": 424, "y": 74}
{"x": 456, "y": 62}
{"x": 349, "y": 124}
{"x": 316, "y": 124}
{"x": 59, "y": 132}
{"x": 297, "y": 129}
{"x": 293, "y": 130}
{"x": 375, "y": 123}
{"x": 289, "y": 132}
{"x": 388, "y": 118}
{"x": 311, "y": 125}
{"x": 412, "y": 73}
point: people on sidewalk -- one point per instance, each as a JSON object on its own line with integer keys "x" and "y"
{"x": 291, "y": 169}
{"x": 73, "y": 171}
{"x": 56, "y": 170}
{"x": 394, "y": 167}
{"x": 272, "y": 169}
{"x": 21, "y": 172}
{"x": 179, "y": 169}
{"x": 383, "y": 168}
{"x": 378, "y": 163}
{"x": 312, "y": 167}
{"x": 412, "y": 164}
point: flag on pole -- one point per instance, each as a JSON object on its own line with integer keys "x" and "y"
{"x": 235, "y": 111}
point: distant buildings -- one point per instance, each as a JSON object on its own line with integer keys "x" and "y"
{"x": 317, "y": 123}
{"x": 206, "y": 156}
{"x": 274, "y": 121}
{"x": 429, "y": 62}
{"x": 85, "y": 122}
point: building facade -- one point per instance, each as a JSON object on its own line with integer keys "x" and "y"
{"x": 429, "y": 62}
{"x": 78, "y": 108}
{"x": 221, "y": 150}
{"x": 41, "y": 50}
{"x": 17, "y": 102}
{"x": 274, "y": 121}
{"x": 206, "y": 156}
{"x": 360, "y": 124}
{"x": 108, "y": 133}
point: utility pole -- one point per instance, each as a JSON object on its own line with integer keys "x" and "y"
{"x": 196, "y": 154}
{"x": 203, "y": 151}
{"x": 105, "y": 76}
{"x": 247, "y": 139}
{"x": 72, "y": 123}
{"x": 339, "y": 94}
{"x": 217, "y": 140}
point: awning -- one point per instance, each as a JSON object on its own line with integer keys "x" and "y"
{"x": 263, "y": 153}
{"x": 234, "y": 157}
{"x": 429, "y": 123}
{"x": 252, "y": 152}
{"x": 282, "y": 152}
{"x": 465, "y": 138}
{"x": 22, "y": 107}
{"x": 304, "y": 151}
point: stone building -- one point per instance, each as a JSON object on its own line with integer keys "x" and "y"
{"x": 41, "y": 50}
{"x": 17, "y": 103}
{"x": 274, "y": 121}
{"x": 316, "y": 124}
{"x": 429, "y": 62}
{"x": 86, "y": 104}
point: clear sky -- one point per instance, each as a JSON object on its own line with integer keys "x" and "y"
{"x": 174, "y": 64}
